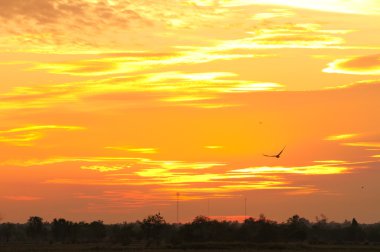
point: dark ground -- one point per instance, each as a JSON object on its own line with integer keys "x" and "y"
{"x": 114, "y": 248}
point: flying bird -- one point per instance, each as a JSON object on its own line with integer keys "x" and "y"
{"x": 276, "y": 156}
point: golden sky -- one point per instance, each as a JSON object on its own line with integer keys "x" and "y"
{"x": 109, "y": 108}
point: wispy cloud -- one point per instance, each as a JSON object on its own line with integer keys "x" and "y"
{"x": 133, "y": 149}
{"x": 41, "y": 127}
{"x": 341, "y": 137}
{"x": 364, "y": 144}
{"x": 306, "y": 170}
{"x": 46, "y": 25}
{"x": 25, "y": 136}
{"x": 337, "y": 6}
{"x": 273, "y": 13}
{"x": 360, "y": 65}
{"x": 21, "y": 198}
{"x": 102, "y": 168}
{"x": 213, "y": 147}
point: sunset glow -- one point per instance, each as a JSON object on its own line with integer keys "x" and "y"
{"x": 109, "y": 109}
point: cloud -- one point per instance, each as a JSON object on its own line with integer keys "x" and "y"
{"x": 357, "y": 84}
{"x": 213, "y": 147}
{"x": 331, "y": 161}
{"x": 39, "y": 96}
{"x": 274, "y": 13}
{"x": 360, "y": 65}
{"x": 301, "y": 35}
{"x": 60, "y": 160}
{"x": 25, "y": 136}
{"x": 363, "y": 144}
{"x": 364, "y": 7}
{"x": 305, "y": 170}
{"x": 132, "y": 64}
{"x": 340, "y": 137}
{"x": 48, "y": 25}
{"x": 102, "y": 168}
{"x": 208, "y": 177}
{"x": 120, "y": 199}
{"x": 21, "y": 198}
{"x": 41, "y": 127}
{"x": 199, "y": 89}
{"x": 130, "y": 149}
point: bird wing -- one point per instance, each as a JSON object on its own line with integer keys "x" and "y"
{"x": 281, "y": 151}
{"x": 268, "y": 155}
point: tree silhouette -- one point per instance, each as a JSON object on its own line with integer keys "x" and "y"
{"x": 121, "y": 233}
{"x": 61, "y": 229}
{"x": 35, "y": 227}
{"x": 6, "y": 231}
{"x": 202, "y": 232}
{"x": 297, "y": 228}
{"x": 153, "y": 227}
{"x": 261, "y": 230}
{"x": 355, "y": 232}
{"x": 97, "y": 230}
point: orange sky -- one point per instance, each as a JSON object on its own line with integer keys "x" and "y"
{"x": 109, "y": 108}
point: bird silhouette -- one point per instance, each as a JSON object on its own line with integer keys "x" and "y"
{"x": 275, "y": 156}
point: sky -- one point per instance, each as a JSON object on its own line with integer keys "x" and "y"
{"x": 115, "y": 110}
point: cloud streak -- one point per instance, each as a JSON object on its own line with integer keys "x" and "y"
{"x": 26, "y": 136}
{"x": 361, "y": 65}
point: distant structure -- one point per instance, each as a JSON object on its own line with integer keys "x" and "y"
{"x": 177, "y": 207}
{"x": 245, "y": 208}
{"x": 208, "y": 208}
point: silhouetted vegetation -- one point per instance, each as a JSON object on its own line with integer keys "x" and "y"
{"x": 202, "y": 232}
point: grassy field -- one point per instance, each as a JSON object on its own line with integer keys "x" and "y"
{"x": 115, "y": 248}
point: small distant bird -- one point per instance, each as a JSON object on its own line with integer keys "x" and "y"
{"x": 276, "y": 156}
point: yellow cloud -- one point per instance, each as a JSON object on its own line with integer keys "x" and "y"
{"x": 130, "y": 64}
{"x": 25, "y": 136}
{"x": 213, "y": 147}
{"x": 102, "y": 168}
{"x": 256, "y": 87}
{"x": 363, "y": 144}
{"x": 138, "y": 150}
{"x": 59, "y": 160}
{"x": 305, "y": 170}
{"x": 331, "y": 161}
{"x": 260, "y": 185}
{"x": 187, "y": 98}
{"x": 339, "y": 6}
{"x": 362, "y": 65}
{"x": 21, "y": 139}
{"x": 274, "y": 13}
{"x": 174, "y": 165}
{"x": 341, "y": 137}
{"x": 41, "y": 127}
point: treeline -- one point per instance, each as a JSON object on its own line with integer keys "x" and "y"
{"x": 155, "y": 231}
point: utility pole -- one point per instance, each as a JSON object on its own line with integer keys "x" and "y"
{"x": 177, "y": 207}
{"x": 245, "y": 208}
{"x": 208, "y": 208}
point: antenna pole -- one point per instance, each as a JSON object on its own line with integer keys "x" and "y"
{"x": 177, "y": 207}
{"x": 208, "y": 208}
{"x": 245, "y": 208}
